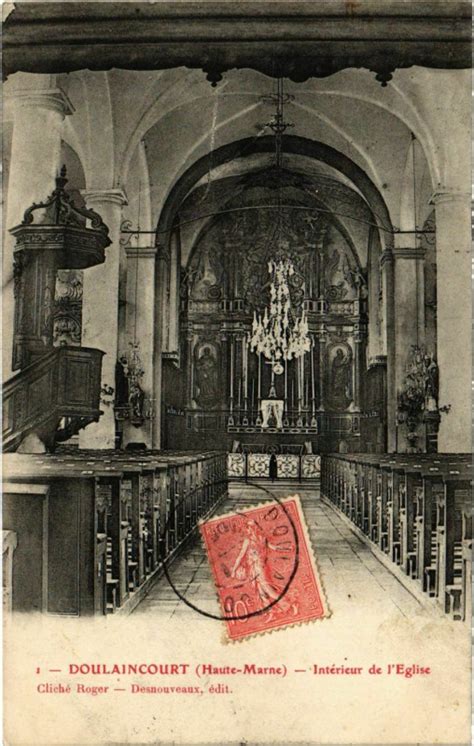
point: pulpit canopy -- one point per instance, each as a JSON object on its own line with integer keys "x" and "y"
{"x": 76, "y": 235}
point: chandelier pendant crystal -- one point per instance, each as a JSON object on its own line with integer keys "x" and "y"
{"x": 279, "y": 334}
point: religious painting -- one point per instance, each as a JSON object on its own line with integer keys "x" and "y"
{"x": 340, "y": 376}
{"x": 206, "y": 383}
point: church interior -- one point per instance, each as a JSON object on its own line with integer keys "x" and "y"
{"x": 236, "y": 256}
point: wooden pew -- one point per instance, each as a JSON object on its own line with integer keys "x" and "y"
{"x": 132, "y": 511}
{"x": 409, "y": 485}
{"x": 466, "y": 571}
{"x": 417, "y": 509}
{"x": 372, "y": 502}
{"x": 69, "y": 578}
{"x": 450, "y": 506}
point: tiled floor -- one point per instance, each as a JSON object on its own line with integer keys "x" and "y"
{"x": 353, "y": 577}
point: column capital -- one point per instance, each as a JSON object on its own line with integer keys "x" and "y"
{"x": 377, "y": 360}
{"x": 142, "y": 252}
{"x": 446, "y": 195}
{"x": 386, "y": 258}
{"x": 104, "y": 196}
{"x": 53, "y": 99}
{"x": 409, "y": 252}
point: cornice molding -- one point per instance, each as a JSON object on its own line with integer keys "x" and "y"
{"x": 53, "y": 99}
{"x": 377, "y": 360}
{"x": 443, "y": 196}
{"x": 386, "y": 258}
{"x": 143, "y": 252}
{"x": 104, "y": 196}
{"x": 409, "y": 252}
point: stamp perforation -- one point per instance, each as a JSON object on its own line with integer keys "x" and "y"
{"x": 306, "y": 547}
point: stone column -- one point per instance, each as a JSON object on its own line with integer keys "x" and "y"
{"x": 174, "y": 299}
{"x": 160, "y": 336}
{"x": 409, "y": 316}
{"x": 388, "y": 291}
{"x": 453, "y": 256}
{"x": 410, "y": 298}
{"x": 34, "y": 163}
{"x": 358, "y": 339}
{"x": 100, "y": 311}
{"x": 321, "y": 336}
{"x": 139, "y": 327}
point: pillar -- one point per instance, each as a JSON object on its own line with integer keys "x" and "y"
{"x": 409, "y": 318}
{"x": 139, "y": 327}
{"x": 160, "y": 326}
{"x": 174, "y": 288}
{"x": 358, "y": 339}
{"x": 453, "y": 256}
{"x": 37, "y": 116}
{"x": 388, "y": 292}
{"x": 100, "y": 307}
{"x": 321, "y": 336}
{"x": 410, "y": 295}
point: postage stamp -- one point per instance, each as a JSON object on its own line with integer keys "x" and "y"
{"x": 264, "y": 568}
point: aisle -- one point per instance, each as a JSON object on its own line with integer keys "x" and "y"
{"x": 353, "y": 577}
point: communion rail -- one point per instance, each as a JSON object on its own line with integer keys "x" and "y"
{"x": 92, "y": 529}
{"x": 417, "y": 510}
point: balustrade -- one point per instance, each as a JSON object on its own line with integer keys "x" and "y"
{"x": 417, "y": 510}
{"x": 94, "y": 527}
{"x": 288, "y": 466}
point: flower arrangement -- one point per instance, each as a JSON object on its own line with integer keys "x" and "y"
{"x": 419, "y": 395}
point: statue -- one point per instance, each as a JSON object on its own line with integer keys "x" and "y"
{"x": 206, "y": 379}
{"x": 272, "y": 413}
{"x": 432, "y": 378}
{"x": 129, "y": 395}
{"x": 207, "y": 275}
{"x": 341, "y": 379}
{"x": 136, "y": 400}
{"x": 355, "y": 278}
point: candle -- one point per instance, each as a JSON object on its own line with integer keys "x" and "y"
{"x": 231, "y": 369}
{"x": 244, "y": 368}
{"x": 259, "y": 393}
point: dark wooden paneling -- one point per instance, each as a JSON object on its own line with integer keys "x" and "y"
{"x": 63, "y": 565}
{"x": 24, "y": 514}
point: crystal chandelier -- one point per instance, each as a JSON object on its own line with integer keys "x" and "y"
{"x": 279, "y": 335}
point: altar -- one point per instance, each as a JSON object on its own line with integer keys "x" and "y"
{"x": 273, "y": 338}
{"x": 248, "y": 466}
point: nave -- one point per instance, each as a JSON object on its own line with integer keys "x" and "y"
{"x": 352, "y": 576}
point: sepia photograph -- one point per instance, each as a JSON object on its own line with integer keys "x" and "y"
{"x": 237, "y": 364}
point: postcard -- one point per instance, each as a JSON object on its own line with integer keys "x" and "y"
{"x": 237, "y": 373}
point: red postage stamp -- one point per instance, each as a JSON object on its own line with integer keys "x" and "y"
{"x": 263, "y": 567}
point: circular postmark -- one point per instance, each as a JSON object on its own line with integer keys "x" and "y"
{"x": 254, "y": 555}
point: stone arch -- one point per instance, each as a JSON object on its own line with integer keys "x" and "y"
{"x": 334, "y": 219}
{"x": 250, "y": 146}
{"x": 291, "y": 144}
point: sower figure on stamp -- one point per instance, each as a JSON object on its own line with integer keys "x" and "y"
{"x": 252, "y": 564}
